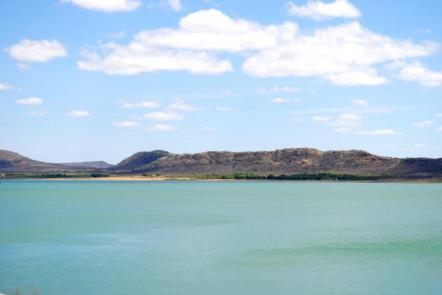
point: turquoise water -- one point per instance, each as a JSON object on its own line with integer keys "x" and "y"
{"x": 191, "y": 238}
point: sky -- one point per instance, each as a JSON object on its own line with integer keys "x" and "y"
{"x": 84, "y": 80}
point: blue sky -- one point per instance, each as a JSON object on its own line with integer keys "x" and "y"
{"x": 100, "y": 79}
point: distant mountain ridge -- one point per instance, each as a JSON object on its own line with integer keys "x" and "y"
{"x": 91, "y": 164}
{"x": 283, "y": 161}
{"x": 13, "y": 162}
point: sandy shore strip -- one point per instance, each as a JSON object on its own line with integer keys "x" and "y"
{"x": 117, "y": 178}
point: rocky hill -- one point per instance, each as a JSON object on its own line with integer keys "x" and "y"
{"x": 285, "y": 161}
{"x": 139, "y": 160}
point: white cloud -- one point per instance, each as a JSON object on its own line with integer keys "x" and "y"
{"x": 439, "y": 115}
{"x": 277, "y": 89}
{"x": 347, "y": 54}
{"x": 213, "y": 30}
{"x": 282, "y": 100}
{"x": 106, "y": 5}
{"x": 344, "y": 55}
{"x": 348, "y": 120}
{"x": 175, "y": 4}
{"x": 439, "y": 128}
{"x": 147, "y": 104}
{"x": 39, "y": 113}
{"x": 136, "y": 58}
{"x": 79, "y": 114}
{"x": 30, "y": 101}
{"x": 422, "y": 124}
{"x": 4, "y": 86}
{"x": 350, "y": 123}
{"x": 126, "y": 124}
{"x": 181, "y": 106}
{"x": 164, "y": 116}
{"x": 319, "y": 10}
{"x": 322, "y": 119}
{"x": 417, "y": 72}
{"x": 37, "y": 51}
{"x": 186, "y": 48}
{"x": 367, "y": 77}
{"x": 161, "y": 128}
{"x": 359, "y": 102}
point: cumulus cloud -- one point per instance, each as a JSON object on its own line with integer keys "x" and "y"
{"x": 417, "y": 72}
{"x": 422, "y": 124}
{"x": 30, "y": 101}
{"x": 164, "y": 116}
{"x": 347, "y": 54}
{"x": 320, "y": 10}
{"x": 282, "y": 100}
{"x": 182, "y": 106}
{"x": 175, "y": 5}
{"x": 126, "y": 124}
{"x": 136, "y": 58}
{"x": 351, "y": 123}
{"x": 37, "y": 51}
{"x": 79, "y": 114}
{"x": 277, "y": 89}
{"x": 161, "y": 128}
{"x": 213, "y": 30}
{"x": 189, "y": 48}
{"x": 106, "y": 5}
{"x": 4, "y": 86}
{"x": 147, "y": 104}
{"x": 348, "y": 120}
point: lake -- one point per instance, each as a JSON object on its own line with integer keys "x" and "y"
{"x": 192, "y": 238}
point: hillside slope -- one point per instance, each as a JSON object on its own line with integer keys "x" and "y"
{"x": 288, "y": 161}
{"x": 11, "y": 162}
{"x": 285, "y": 161}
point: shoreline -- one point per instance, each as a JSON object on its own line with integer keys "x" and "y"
{"x": 139, "y": 178}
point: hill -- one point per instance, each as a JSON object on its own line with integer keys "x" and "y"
{"x": 11, "y": 162}
{"x": 89, "y": 165}
{"x": 285, "y": 161}
{"x": 279, "y": 162}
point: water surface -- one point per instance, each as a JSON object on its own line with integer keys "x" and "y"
{"x": 191, "y": 238}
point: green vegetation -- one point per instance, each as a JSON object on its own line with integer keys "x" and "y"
{"x": 328, "y": 176}
{"x": 302, "y": 176}
{"x": 52, "y": 175}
